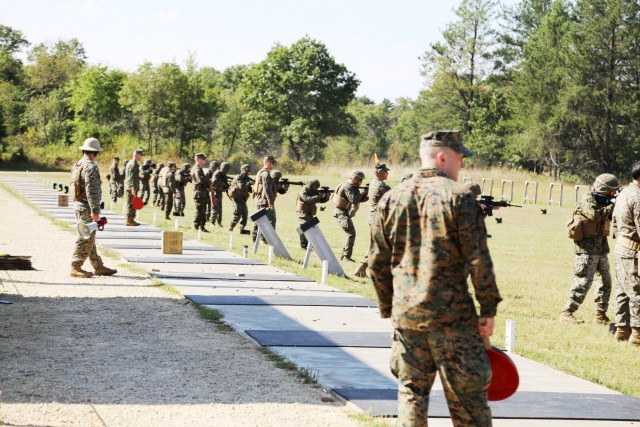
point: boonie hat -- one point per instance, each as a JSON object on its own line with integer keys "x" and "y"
{"x": 91, "y": 144}
{"x": 446, "y": 138}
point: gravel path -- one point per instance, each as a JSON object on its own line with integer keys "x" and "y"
{"x": 113, "y": 351}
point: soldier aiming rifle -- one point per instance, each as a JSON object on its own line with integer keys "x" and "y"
{"x": 487, "y": 203}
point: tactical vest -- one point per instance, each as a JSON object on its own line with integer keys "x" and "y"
{"x": 340, "y": 199}
{"x": 579, "y": 227}
{"x": 259, "y": 190}
{"x": 307, "y": 208}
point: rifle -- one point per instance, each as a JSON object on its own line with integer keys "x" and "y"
{"x": 488, "y": 202}
{"x": 286, "y": 181}
{"x": 325, "y": 189}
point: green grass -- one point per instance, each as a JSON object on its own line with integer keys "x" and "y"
{"x": 368, "y": 420}
{"x": 533, "y": 262}
{"x": 306, "y": 375}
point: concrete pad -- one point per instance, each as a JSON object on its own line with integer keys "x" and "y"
{"x": 194, "y": 269}
{"x": 185, "y": 248}
{"x": 255, "y": 274}
{"x": 139, "y": 229}
{"x": 106, "y": 234}
{"x": 273, "y": 300}
{"x": 251, "y": 287}
{"x": 320, "y": 339}
{"x": 177, "y": 259}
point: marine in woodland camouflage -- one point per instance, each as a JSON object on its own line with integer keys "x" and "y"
{"x": 87, "y": 202}
{"x": 200, "y": 195}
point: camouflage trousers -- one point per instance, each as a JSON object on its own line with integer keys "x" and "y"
{"x": 146, "y": 191}
{"x": 113, "y": 191}
{"x": 216, "y": 209}
{"x": 156, "y": 193}
{"x": 85, "y": 248}
{"x": 130, "y": 213}
{"x": 271, "y": 215}
{"x": 201, "y": 212}
{"x": 347, "y": 226}
{"x": 458, "y": 355}
{"x": 167, "y": 201}
{"x": 240, "y": 213}
{"x": 588, "y": 269}
{"x": 627, "y": 296}
{"x": 302, "y": 218}
{"x": 180, "y": 200}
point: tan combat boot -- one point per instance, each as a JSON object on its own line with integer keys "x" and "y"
{"x": 131, "y": 223}
{"x": 79, "y": 272}
{"x": 601, "y": 317}
{"x": 622, "y": 333}
{"x": 105, "y": 271}
{"x": 634, "y": 339}
{"x": 568, "y": 317}
{"x": 361, "y": 271}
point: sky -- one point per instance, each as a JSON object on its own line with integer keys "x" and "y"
{"x": 380, "y": 41}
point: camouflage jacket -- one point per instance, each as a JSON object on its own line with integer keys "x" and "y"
{"x": 114, "y": 174}
{"x": 220, "y": 181}
{"x": 85, "y": 177}
{"x": 145, "y": 174}
{"x": 377, "y": 188}
{"x": 240, "y": 188}
{"x": 200, "y": 182}
{"x": 155, "y": 175}
{"x": 307, "y": 200}
{"x": 182, "y": 178}
{"x": 263, "y": 193}
{"x": 167, "y": 180}
{"x": 132, "y": 176}
{"x": 600, "y": 216}
{"x": 626, "y": 217}
{"x": 427, "y": 237}
{"x": 350, "y": 196}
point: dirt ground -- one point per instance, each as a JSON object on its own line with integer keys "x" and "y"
{"x": 114, "y": 351}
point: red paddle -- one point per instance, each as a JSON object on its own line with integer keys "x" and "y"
{"x": 505, "y": 378}
{"x": 137, "y": 203}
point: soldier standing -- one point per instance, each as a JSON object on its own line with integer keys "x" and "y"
{"x": 425, "y": 234}
{"x": 167, "y": 183}
{"x": 200, "y": 192}
{"x": 145, "y": 178}
{"x": 157, "y": 192}
{"x": 114, "y": 179}
{"x": 239, "y": 191}
{"x": 626, "y": 220}
{"x": 263, "y": 193}
{"x": 183, "y": 177}
{"x": 214, "y": 166}
{"x": 87, "y": 194}
{"x": 278, "y": 188}
{"x": 308, "y": 197}
{"x": 593, "y": 216}
{"x": 377, "y": 188}
{"x": 122, "y": 177}
{"x": 220, "y": 185}
{"x": 347, "y": 199}
{"x": 132, "y": 186}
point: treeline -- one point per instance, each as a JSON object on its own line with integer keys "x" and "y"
{"x": 544, "y": 85}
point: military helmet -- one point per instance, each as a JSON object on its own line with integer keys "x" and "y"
{"x": 186, "y": 166}
{"x": 313, "y": 184}
{"x": 224, "y": 167}
{"x": 473, "y": 188}
{"x": 160, "y": 166}
{"x": 148, "y": 162}
{"x": 276, "y": 174}
{"x": 357, "y": 174}
{"x": 606, "y": 183}
{"x": 171, "y": 163}
{"x": 245, "y": 168}
{"x": 214, "y": 164}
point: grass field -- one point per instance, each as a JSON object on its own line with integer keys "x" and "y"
{"x": 533, "y": 260}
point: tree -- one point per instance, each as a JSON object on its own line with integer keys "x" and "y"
{"x": 298, "y": 93}
{"x": 11, "y": 42}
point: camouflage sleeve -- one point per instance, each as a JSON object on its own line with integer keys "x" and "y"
{"x": 268, "y": 188}
{"x": 308, "y": 198}
{"x": 380, "y": 257}
{"x": 473, "y": 244}
{"x": 92, "y": 187}
{"x": 136, "y": 176}
{"x": 171, "y": 180}
{"x": 128, "y": 179}
{"x": 352, "y": 194}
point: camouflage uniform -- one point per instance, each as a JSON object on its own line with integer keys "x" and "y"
{"x": 167, "y": 182}
{"x": 200, "y": 195}
{"x": 377, "y": 189}
{"x": 240, "y": 190}
{"x": 263, "y": 195}
{"x": 122, "y": 173}
{"x": 220, "y": 184}
{"x": 87, "y": 197}
{"x": 157, "y": 192}
{"x": 114, "y": 181}
{"x": 350, "y": 198}
{"x": 592, "y": 261}
{"x": 214, "y": 166}
{"x": 427, "y": 236}
{"x": 306, "y": 208}
{"x": 145, "y": 178}
{"x": 183, "y": 177}
{"x": 626, "y": 217}
{"x": 131, "y": 182}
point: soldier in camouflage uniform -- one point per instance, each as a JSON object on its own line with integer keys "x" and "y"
{"x": 426, "y": 234}
{"x": 200, "y": 192}
{"x": 183, "y": 177}
{"x": 239, "y": 191}
{"x": 214, "y": 166}
{"x": 145, "y": 179}
{"x": 121, "y": 184}
{"x": 114, "y": 179}
{"x": 87, "y": 194}
{"x": 278, "y": 188}
{"x": 132, "y": 186}
{"x": 263, "y": 193}
{"x": 157, "y": 192}
{"x": 347, "y": 199}
{"x": 308, "y": 197}
{"x": 593, "y": 213}
{"x": 220, "y": 185}
{"x": 626, "y": 220}
{"x": 167, "y": 184}
{"x": 377, "y": 189}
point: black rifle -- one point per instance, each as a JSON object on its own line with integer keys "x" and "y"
{"x": 488, "y": 202}
{"x": 286, "y": 181}
{"x": 325, "y": 190}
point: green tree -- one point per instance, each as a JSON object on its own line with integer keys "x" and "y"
{"x": 11, "y": 42}
{"x": 298, "y": 93}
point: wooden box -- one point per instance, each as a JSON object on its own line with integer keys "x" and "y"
{"x": 172, "y": 242}
{"x": 63, "y": 200}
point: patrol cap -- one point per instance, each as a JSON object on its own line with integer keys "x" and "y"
{"x": 137, "y": 151}
{"x": 446, "y": 138}
{"x": 606, "y": 183}
{"x": 201, "y": 156}
{"x": 270, "y": 158}
{"x": 381, "y": 167}
{"x": 357, "y": 174}
{"x": 245, "y": 168}
{"x": 91, "y": 144}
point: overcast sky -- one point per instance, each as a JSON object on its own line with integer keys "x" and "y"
{"x": 380, "y": 41}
